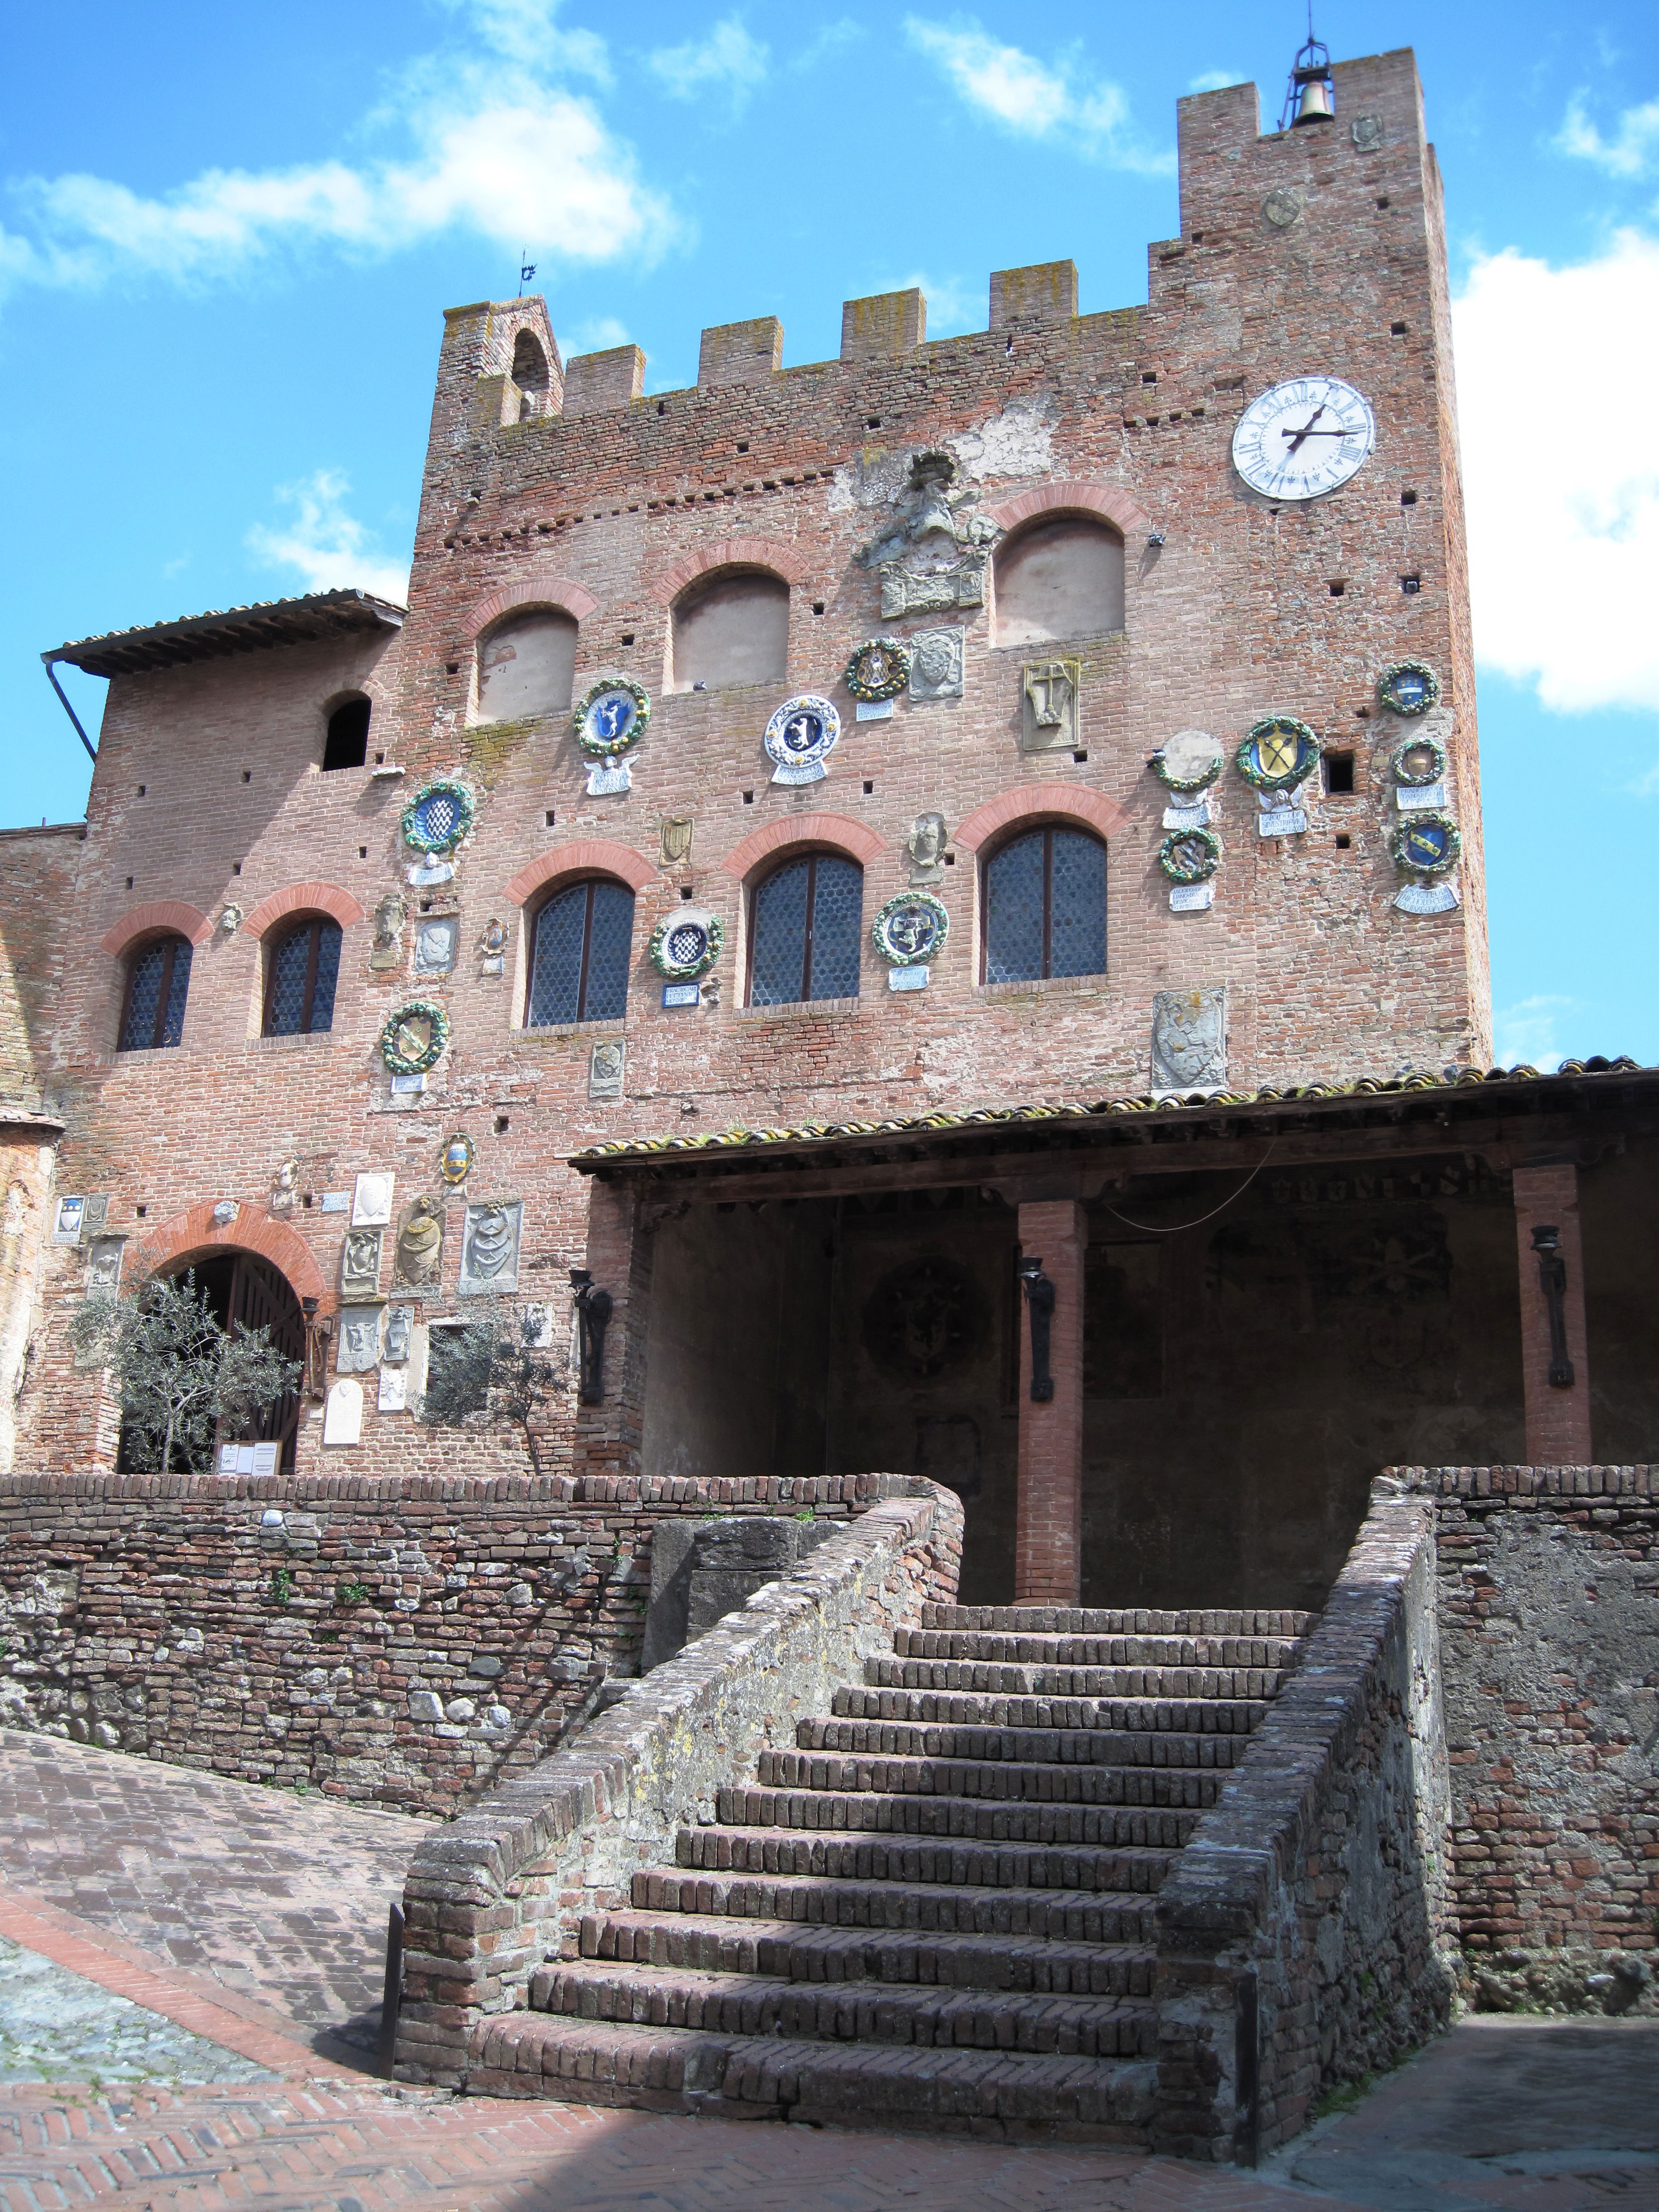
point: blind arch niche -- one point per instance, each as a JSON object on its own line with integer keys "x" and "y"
{"x": 729, "y": 629}
{"x": 1059, "y": 578}
{"x": 528, "y": 666}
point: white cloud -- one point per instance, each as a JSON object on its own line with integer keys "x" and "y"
{"x": 1629, "y": 153}
{"x": 834, "y": 38}
{"x": 1561, "y": 471}
{"x": 1524, "y": 1035}
{"x": 1216, "y": 81}
{"x": 727, "y": 60}
{"x": 597, "y": 335}
{"x": 328, "y": 547}
{"x": 1032, "y": 98}
{"x": 955, "y": 304}
{"x": 496, "y": 148}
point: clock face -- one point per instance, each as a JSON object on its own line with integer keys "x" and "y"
{"x": 1303, "y": 437}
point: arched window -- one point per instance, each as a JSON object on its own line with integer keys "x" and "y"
{"x": 1045, "y": 907}
{"x": 158, "y": 983}
{"x": 347, "y": 744}
{"x": 529, "y": 371}
{"x": 580, "y": 950}
{"x": 526, "y": 665}
{"x": 301, "y": 970}
{"x": 1062, "y": 578}
{"x": 732, "y": 629}
{"x": 804, "y": 944}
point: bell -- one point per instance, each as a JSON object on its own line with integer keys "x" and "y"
{"x": 1313, "y": 101}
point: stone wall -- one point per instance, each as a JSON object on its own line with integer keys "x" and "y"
{"x": 1549, "y": 1609}
{"x": 1303, "y": 1934}
{"x": 399, "y": 1641}
{"x": 494, "y": 1893}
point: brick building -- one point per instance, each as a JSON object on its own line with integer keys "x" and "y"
{"x": 1122, "y": 918}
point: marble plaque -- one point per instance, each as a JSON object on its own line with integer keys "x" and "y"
{"x": 104, "y": 1263}
{"x": 1417, "y": 798}
{"x": 540, "y": 1327}
{"x": 681, "y": 994}
{"x": 1189, "y": 1039}
{"x": 409, "y": 1086}
{"x": 394, "y": 1395}
{"x": 360, "y": 1263}
{"x": 400, "y": 1335}
{"x": 936, "y": 663}
{"x": 437, "y": 940}
{"x": 1282, "y": 821}
{"x": 426, "y": 872}
{"x": 1426, "y": 898}
{"x": 604, "y": 1069}
{"x": 342, "y": 1414}
{"x": 360, "y": 1340}
{"x": 265, "y": 1456}
{"x": 337, "y": 1201}
{"x": 1049, "y": 706}
{"x": 1191, "y": 898}
{"x": 1196, "y": 817}
{"x": 873, "y": 710}
{"x": 94, "y": 1215}
{"x": 908, "y": 979}
{"x": 371, "y": 1206}
{"x": 489, "y": 1248}
{"x": 606, "y": 778}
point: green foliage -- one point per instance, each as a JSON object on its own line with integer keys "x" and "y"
{"x": 350, "y": 1593}
{"x": 179, "y": 1374}
{"x": 281, "y": 1586}
{"x": 489, "y": 1374}
{"x": 806, "y": 1514}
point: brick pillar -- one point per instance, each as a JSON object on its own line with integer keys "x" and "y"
{"x": 1557, "y": 1420}
{"x": 1048, "y": 1534}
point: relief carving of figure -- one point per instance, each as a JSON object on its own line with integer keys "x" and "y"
{"x": 926, "y": 846}
{"x": 421, "y": 1242}
{"x": 1189, "y": 1039}
{"x": 387, "y": 950}
{"x": 932, "y": 554}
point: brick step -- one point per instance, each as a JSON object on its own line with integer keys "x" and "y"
{"x": 1032, "y": 1646}
{"x": 1085, "y": 1916}
{"x": 711, "y": 1943}
{"x": 849, "y": 2012}
{"x": 999, "y": 1780}
{"x": 997, "y": 1821}
{"x": 531, "y": 2054}
{"x": 1047, "y": 1746}
{"x": 1105, "y": 1620}
{"x": 854, "y": 1856}
{"x": 965, "y": 1708}
{"x": 986, "y": 1677}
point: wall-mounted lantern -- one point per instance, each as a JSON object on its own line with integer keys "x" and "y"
{"x": 1552, "y": 1281}
{"x": 593, "y": 1308}
{"x": 1040, "y": 1300}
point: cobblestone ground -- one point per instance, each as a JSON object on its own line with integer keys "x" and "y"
{"x": 279, "y": 1897}
{"x": 56, "y": 2025}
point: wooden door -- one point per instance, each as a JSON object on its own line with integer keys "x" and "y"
{"x": 260, "y": 1298}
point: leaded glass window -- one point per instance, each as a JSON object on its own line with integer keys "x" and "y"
{"x": 1045, "y": 907}
{"x": 300, "y": 980}
{"x": 579, "y": 954}
{"x": 158, "y": 983}
{"x": 807, "y": 926}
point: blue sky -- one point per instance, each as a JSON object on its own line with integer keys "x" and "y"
{"x": 227, "y": 235}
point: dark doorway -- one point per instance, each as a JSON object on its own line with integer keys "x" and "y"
{"x": 247, "y": 1292}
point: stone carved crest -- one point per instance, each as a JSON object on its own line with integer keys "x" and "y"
{"x": 936, "y": 662}
{"x": 436, "y": 940}
{"x": 604, "y": 1069}
{"x": 1048, "y": 690}
{"x": 387, "y": 950}
{"x": 360, "y": 1263}
{"x": 360, "y": 1340}
{"x": 926, "y": 846}
{"x": 1189, "y": 1039}
{"x": 104, "y": 1264}
{"x": 399, "y": 1334}
{"x": 421, "y": 1245}
{"x": 676, "y": 833}
{"x": 489, "y": 1248}
{"x": 931, "y": 556}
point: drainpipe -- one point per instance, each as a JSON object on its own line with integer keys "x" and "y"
{"x": 47, "y": 660}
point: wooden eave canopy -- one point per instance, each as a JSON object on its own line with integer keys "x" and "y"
{"x": 240, "y": 629}
{"x": 1507, "y": 1115}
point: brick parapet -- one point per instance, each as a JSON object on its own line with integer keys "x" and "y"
{"x": 506, "y": 1884}
{"x": 317, "y": 1630}
{"x": 1316, "y": 1889}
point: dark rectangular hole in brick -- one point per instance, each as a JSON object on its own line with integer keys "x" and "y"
{"x": 817, "y": 606}
{"x": 1409, "y": 499}
{"x": 1397, "y": 330}
{"x": 869, "y": 789}
{"x": 1409, "y": 584}
{"x": 742, "y": 445}
{"x": 950, "y": 859}
{"x": 502, "y": 1125}
{"x": 1343, "y": 843}
{"x": 1384, "y": 202}
{"x": 552, "y": 818}
{"x": 1337, "y": 590}
{"x": 378, "y": 759}
{"x": 1339, "y": 772}
{"x": 1079, "y": 757}
{"x": 142, "y": 788}
{"x": 628, "y": 637}
{"x": 1149, "y": 376}
{"x": 141, "y": 1210}
{"x": 748, "y": 800}
{"x": 872, "y": 422}
{"x": 305, "y": 1198}
{"x": 451, "y": 668}
{"x": 247, "y": 775}
{"x": 236, "y": 867}
{"x": 662, "y": 407}
{"x": 362, "y": 852}
{"x": 129, "y": 883}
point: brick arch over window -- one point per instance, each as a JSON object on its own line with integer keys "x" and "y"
{"x": 534, "y": 592}
{"x": 151, "y": 920}
{"x": 583, "y": 856}
{"x": 730, "y": 553}
{"x": 838, "y": 831}
{"x": 255, "y": 1229}
{"x": 1040, "y": 802}
{"x": 304, "y": 898}
{"x": 1073, "y": 495}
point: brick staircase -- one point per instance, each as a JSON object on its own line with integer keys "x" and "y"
{"x": 937, "y": 1911}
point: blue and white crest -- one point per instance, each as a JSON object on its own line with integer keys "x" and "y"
{"x": 799, "y": 738}
{"x": 609, "y": 717}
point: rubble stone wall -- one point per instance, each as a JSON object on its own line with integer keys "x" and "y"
{"x": 395, "y": 1641}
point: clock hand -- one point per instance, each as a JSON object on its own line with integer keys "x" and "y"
{"x": 1300, "y": 435}
{"x": 1297, "y": 436}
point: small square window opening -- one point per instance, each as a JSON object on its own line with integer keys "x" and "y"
{"x": 1397, "y": 330}
{"x": 1338, "y": 774}
{"x": 247, "y": 775}
{"x": 1337, "y": 589}
{"x": 1409, "y": 499}
{"x": 1343, "y": 843}
{"x": 869, "y": 790}
{"x": 1410, "y": 584}
{"x": 142, "y": 788}
{"x": 552, "y": 818}
{"x": 502, "y": 1125}
{"x": 362, "y": 852}
{"x": 748, "y": 800}
{"x": 872, "y": 422}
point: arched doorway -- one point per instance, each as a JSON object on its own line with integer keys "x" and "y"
{"x": 247, "y": 1291}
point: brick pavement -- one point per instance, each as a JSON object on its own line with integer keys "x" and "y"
{"x": 279, "y": 1897}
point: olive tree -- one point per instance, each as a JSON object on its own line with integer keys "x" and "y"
{"x": 179, "y": 1371}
